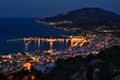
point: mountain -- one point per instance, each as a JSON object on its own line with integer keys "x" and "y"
{"x": 84, "y": 19}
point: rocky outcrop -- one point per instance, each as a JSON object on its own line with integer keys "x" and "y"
{"x": 96, "y": 70}
{"x": 89, "y": 69}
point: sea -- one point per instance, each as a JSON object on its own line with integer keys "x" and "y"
{"x": 16, "y": 28}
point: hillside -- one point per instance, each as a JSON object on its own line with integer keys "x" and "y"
{"x": 104, "y": 66}
{"x": 84, "y": 19}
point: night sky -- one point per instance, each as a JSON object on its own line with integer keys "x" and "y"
{"x": 45, "y": 8}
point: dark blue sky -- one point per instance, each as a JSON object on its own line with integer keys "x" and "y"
{"x": 44, "y": 8}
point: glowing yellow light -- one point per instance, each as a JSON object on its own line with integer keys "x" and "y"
{"x": 27, "y": 65}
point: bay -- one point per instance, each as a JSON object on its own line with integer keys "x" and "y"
{"x": 14, "y": 28}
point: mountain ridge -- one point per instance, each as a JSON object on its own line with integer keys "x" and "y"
{"x": 85, "y": 19}
{"x": 85, "y": 10}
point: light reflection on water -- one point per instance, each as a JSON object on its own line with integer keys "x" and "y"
{"x": 38, "y": 44}
{"x": 19, "y": 28}
{"x": 47, "y": 43}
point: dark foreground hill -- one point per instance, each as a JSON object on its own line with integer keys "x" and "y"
{"x": 85, "y": 19}
{"x": 104, "y": 66}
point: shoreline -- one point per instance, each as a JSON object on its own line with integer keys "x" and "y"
{"x": 60, "y": 28}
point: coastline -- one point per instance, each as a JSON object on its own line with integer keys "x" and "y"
{"x": 53, "y": 25}
{"x": 25, "y": 29}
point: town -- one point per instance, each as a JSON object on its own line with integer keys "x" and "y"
{"x": 81, "y": 45}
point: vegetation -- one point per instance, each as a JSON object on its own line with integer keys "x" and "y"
{"x": 111, "y": 55}
{"x": 109, "y": 58}
{"x": 66, "y": 68}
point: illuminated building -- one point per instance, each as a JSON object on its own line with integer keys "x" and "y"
{"x": 27, "y": 65}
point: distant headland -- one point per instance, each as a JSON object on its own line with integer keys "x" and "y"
{"x": 85, "y": 19}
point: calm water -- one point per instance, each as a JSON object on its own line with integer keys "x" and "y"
{"x": 20, "y": 28}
